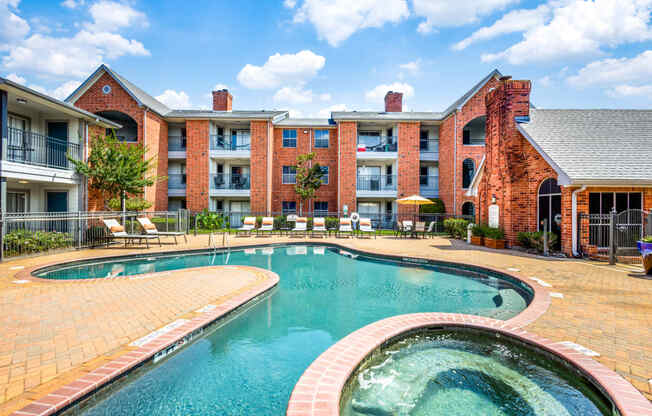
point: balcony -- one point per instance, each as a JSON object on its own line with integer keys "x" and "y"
{"x": 35, "y": 149}
{"x": 230, "y": 185}
{"x": 223, "y": 147}
{"x": 376, "y": 185}
{"x": 177, "y": 143}
{"x": 429, "y": 150}
{"x": 429, "y": 186}
{"x": 377, "y": 147}
{"x": 176, "y": 184}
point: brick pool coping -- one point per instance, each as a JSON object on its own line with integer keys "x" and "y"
{"x": 99, "y": 377}
{"x": 318, "y": 391}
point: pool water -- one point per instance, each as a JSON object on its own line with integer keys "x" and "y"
{"x": 250, "y": 365}
{"x": 454, "y": 372}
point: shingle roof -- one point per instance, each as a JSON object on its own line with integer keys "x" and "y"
{"x": 307, "y": 122}
{"x": 225, "y": 114}
{"x": 470, "y": 93}
{"x": 594, "y": 146}
{"x": 373, "y": 115}
{"x": 141, "y": 96}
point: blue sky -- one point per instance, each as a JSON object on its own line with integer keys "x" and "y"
{"x": 312, "y": 56}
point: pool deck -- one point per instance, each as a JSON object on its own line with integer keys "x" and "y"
{"x": 54, "y": 332}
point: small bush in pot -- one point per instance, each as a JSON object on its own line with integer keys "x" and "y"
{"x": 494, "y": 238}
{"x": 477, "y": 234}
{"x": 645, "y": 247}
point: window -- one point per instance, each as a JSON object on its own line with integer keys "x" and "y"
{"x": 324, "y": 178}
{"x": 321, "y": 207}
{"x": 321, "y": 139}
{"x": 423, "y": 140}
{"x": 468, "y": 208}
{"x": 289, "y": 138}
{"x": 474, "y": 131}
{"x": 468, "y": 170}
{"x": 423, "y": 175}
{"x": 17, "y": 202}
{"x": 549, "y": 209}
{"x": 604, "y": 202}
{"x": 289, "y": 207}
{"x": 289, "y": 175}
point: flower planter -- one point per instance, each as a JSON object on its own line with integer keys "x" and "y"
{"x": 477, "y": 240}
{"x": 646, "y": 252}
{"x": 493, "y": 243}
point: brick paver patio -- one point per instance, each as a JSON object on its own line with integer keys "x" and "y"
{"x": 53, "y": 331}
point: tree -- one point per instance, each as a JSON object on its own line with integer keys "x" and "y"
{"x": 308, "y": 178}
{"x": 116, "y": 168}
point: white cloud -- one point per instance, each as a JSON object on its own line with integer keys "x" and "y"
{"x": 72, "y": 4}
{"x": 295, "y": 113}
{"x": 630, "y": 91}
{"x": 16, "y": 78}
{"x": 290, "y": 4}
{"x": 545, "y": 81}
{"x": 615, "y": 71}
{"x": 174, "y": 99}
{"x": 12, "y": 26}
{"x": 512, "y": 22}
{"x": 447, "y": 13}
{"x": 282, "y": 69}
{"x": 325, "y": 97}
{"x": 377, "y": 95}
{"x": 219, "y": 87}
{"x": 581, "y": 28}
{"x": 413, "y": 66}
{"x": 336, "y": 20}
{"x": 326, "y": 112}
{"x": 64, "y": 90}
{"x": 292, "y": 95}
{"x": 111, "y": 16}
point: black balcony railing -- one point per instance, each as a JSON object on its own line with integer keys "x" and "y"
{"x": 376, "y": 183}
{"x": 225, "y": 181}
{"x": 176, "y": 181}
{"x": 377, "y": 143}
{"x": 35, "y": 149}
{"x": 220, "y": 142}
{"x": 177, "y": 143}
{"x": 429, "y": 184}
{"x": 429, "y": 146}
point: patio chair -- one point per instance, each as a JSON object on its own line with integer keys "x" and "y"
{"x": 248, "y": 225}
{"x": 366, "y": 228}
{"x": 267, "y": 225}
{"x": 345, "y": 227}
{"x": 420, "y": 228}
{"x": 117, "y": 232}
{"x": 431, "y": 229}
{"x": 408, "y": 228}
{"x": 151, "y": 229}
{"x": 319, "y": 226}
{"x": 300, "y": 226}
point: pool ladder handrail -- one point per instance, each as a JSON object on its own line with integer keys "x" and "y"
{"x": 212, "y": 241}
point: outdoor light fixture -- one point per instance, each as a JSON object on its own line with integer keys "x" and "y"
{"x": 493, "y": 199}
{"x": 23, "y": 181}
{"x": 21, "y": 100}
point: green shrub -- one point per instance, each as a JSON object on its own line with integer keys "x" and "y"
{"x": 131, "y": 204}
{"x": 647, "y": 239}
{"x": 29, "y": 242}
{"x": 534, "y": 239}
{"x": 456, "y": 227}
{"x": 96, "y": 235}
{"x": 211, "y": 220}
{"x": 437, "y": 207}
{"x": 480, "y": 230}
{"x": 494, "y": 233}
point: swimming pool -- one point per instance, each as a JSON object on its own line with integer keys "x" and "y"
{"x": 251, "y": 363}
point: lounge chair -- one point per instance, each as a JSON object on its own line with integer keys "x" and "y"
{"x": 248, "y": 225}
{"x": 319, "y": 226}
{"x": 266, "y": 225}
{"x": 300, "y": 226}
{"x": 420, "y": 228}
{"x": 366, "y": 228}
{"x": 431, "y": 229}
{"x": 151, "y": 229}
{"x": 118, "y": 232}
{"x": 345, "y": 227}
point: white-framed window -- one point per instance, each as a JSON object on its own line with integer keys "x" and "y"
{"x": 324, "y": 177}
{"x": 321, "y": 139}
{"x": 289, "y": 175}
{"x": 468, "y": 170}
{"x": 289, "y": 138}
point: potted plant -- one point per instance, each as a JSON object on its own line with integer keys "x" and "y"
{"x": 477, "y": 235}
{"x": 494, "y": 238}
{"x": 645, "y": 247}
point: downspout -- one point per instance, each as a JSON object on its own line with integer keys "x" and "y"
{"x": 574, "y": 219}
{"x": 455, "y": 166}
{"x": 339, "y": 166}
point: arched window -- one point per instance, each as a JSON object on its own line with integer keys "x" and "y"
{"x": 549, "y": 209}
{"x": 129, "y": 130}
{"x": 475, "y": 131}
{"x": 468, "y": 208}
{"x": 468, "y": 170}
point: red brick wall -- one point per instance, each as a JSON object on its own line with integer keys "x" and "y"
{"x": 156, "y": 142}
{"x": 394, "y": 102}
{"x": 450, "y": 190}
{"x": 222, "y": 100}
{"x": 197, "y": 154}
{"x": 408, "y": 163}
{"x": 348, "y": 133}
{"x": 260, "y": 141}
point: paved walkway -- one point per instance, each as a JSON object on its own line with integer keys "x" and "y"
{"x": 54, "y": 330}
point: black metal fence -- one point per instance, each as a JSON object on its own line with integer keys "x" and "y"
{"x": 36, "y": 149}
{"x": 613, "y": 234}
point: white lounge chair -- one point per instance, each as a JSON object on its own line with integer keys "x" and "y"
{"x": 366, "y": 228}
{"x": 266, "y": 225}
{"x": 319, "y": 226}
{"x": 420, "y": 228}
{"x": 151, "y": 229}
{"x": 345, "y": 227}
{"x": 300, "y": 226}
{"x": 117, "y": 232}
{"x": 406, "y": 228}
{"x": 248, "y": 225}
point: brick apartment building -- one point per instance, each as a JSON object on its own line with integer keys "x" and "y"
{"x": 489, "y": 151}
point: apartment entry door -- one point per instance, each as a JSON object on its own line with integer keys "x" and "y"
{"x": 236, "y": 211}
{"x": 57, "y": 150}
{"x": 57, "y": 201}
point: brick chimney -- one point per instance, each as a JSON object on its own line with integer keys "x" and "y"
{"x": 222, "y": 100}
{"x": 393, "y": 102}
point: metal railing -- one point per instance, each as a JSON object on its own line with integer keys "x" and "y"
{"x": 429, "y": 146}
{"x": 34, "y": 233}
{"x": 177, "y": 143}
{"x": 429, "y": 183}
{"x": 221, "y": 142}
{"x": 377, "y": 143}
{"x": 614, "y": 233}
{"x": 376, "y": 183}
{"x": 226, "y": 181}
{"x": 176, "y": 181}
{"x": 36, "y": 149}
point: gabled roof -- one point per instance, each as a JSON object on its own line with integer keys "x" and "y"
{"x": 459, "y": 103}
{"x": 140, "y": 96}
{"x": 593, "y": 147}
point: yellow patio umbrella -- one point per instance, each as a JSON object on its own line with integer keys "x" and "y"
{"x": 415, "y": 200}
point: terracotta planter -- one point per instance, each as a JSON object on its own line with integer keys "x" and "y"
{"x": 477, "y": 240}
{"x": 646, "y": 252}
{"x": 493, "y": 243}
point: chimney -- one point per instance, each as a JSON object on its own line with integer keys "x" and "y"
{"x": 393, "y": 102}
{"x": 222, "y": 100}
